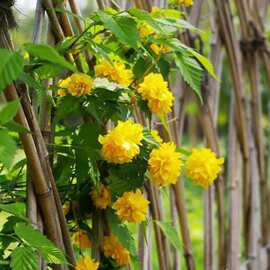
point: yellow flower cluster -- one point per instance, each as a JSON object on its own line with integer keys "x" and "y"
{"x": 158, "y": 50}
{"x": 114, "y": 249}
{"x": 78, "y": 84}
{"x": 146, "y": 30}
{"x": 101, "y": 197}
{"x": 157, "y": 94}
{"x": 186, "y": 3}
{"x": 86, "y": 263}
{"x": 203, "y": 166}
{"x": 121, "y": 144}
{"x": 156, "y": 136}
{"x": 132, "y": 207}
{"x": 115, "y": 71}
{"x": 81, "y": 239}
{"x": 165, "y": 165}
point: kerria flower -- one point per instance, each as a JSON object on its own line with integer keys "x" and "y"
{"x": 122, "y": 143}
{"x": 132, "y": 207}
{"x": 81, "y": 239}
{"x": 114, "y": 249}
{"x": 114, "y": 71}
{"x": 186, "y": 3}
{"x": 101, "y": 197}
{"x": 164, "y": 165}
{"x": 156, "y": 136}
{"x": 86, "y": 263}
{"x": 78, "y": 84}
{"x": 146, "y": 30}
{"x": 203, "y": 166}
{"x": 155, "y": 91}
{"x": 159, "y": 49}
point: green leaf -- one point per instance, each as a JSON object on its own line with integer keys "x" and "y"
{"x": 170, "y": 233}
{"x": 191, "y": 71}
{"x": 121, "y": 231}
{"x": 8, "y": 111}
{"x": 16, "y": 209}
{"x": 123, "y": 27}
{"x": 47, "y": 53}
{"x": 144, "y": 16}
{"x": 36, "y": 239}
{"x": 24, "y": 258}
{"x": 11, "y": 66}
{"x": 7, "y": 148}
{"x": 13, "y": 126}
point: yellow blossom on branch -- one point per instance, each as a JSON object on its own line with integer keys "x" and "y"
{"x": 146, "y": 30}
{"x": 154, "y": 89}
{"x": 81, "y": 239}
{"x": 114, "y": 249}
{"x": 101, "y": 197}
{"x": 115, "y": 71}
{"x": 121, "y": 144}
{"x": 86, "y": 263}
{"x": 132, "y": 207}
{"x": 78, "y": 84}
{"x": 165, "y": 165}
{"x": 159, "y": 49}
{"x": 203, "y": 166}
{"x": 186, "y": 3}
{"x": 156, "y": 136}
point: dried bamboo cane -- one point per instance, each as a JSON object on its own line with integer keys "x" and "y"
{"x": 234, "y": 178}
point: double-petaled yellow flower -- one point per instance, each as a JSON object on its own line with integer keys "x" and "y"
{"x": 78, "y": 84}
{"x": 101, "y": 197}
{"x": 165, "y": 165}
{"x": 122, "y": 143}
{"x": 203, "y": 166}
{"x": 157, "y": 94}
{"x": 114, "y": 249}
{"x": 146, "y": 30}
{"x": 159, "y": 49}
{"x": 81, "y": 239}
{"x": 132, "y": 207}
{"x": 114, "y": 71}
{"x": 186, "y": 3}
{"x": 86, "y": 263}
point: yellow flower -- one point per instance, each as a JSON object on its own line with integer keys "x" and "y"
{"x": 86, "y": 263}
{"x": 186, "y": 3}
{"x": 164, "y": 165}
{"x": 81, "y": 239}
{"x": 121, "y": 144}
{"x": 156, "y": 136}
{"x": 146, "y": 30}
{"x": 158, "y": 50}
{"x": 115, "y": 71}
{"x": 77, "y": 84}
{"x": 114, "y": 249}
{"x": 203, "y": 166}
{"x": 132, "y": 207}
{"x": 157, "y": 94}
{"x": 101, "y": 197}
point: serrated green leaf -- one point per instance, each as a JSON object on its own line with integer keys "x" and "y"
{"x": 123, "y": 27}
{"x": 24, "y": 258}
{"x": 170, "y": 233}
{"x": 11, "y": 66}
{"x": 16, "y": 209}
{"x": 191, "y": 71}
{"x": 7, "y": 148}
{"x": 47, "y": 53}
{"x": 8, "y": 111}
{"x": 36, "y": 239}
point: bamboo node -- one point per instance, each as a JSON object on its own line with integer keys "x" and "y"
{"x": 45, "y": 194}
{"x": 252, "y": 45}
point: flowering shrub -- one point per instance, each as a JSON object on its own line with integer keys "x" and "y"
{"x": 104, "y": 156}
